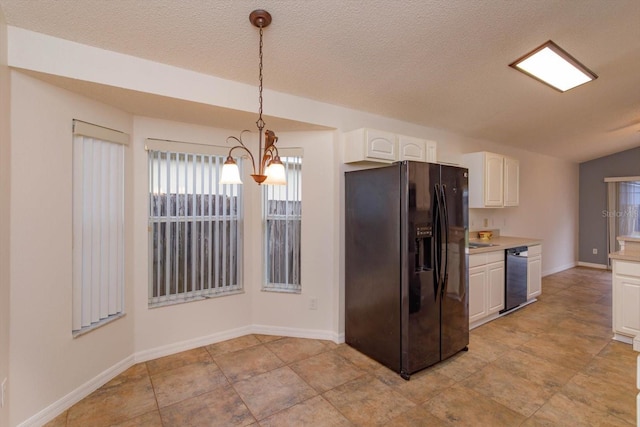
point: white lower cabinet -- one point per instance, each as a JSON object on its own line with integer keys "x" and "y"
{"x": 486, "y": 285}
{"x": 626, "y": 299}
{"x": 534, "y": 272}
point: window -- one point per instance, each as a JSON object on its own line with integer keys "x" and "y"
{"x": 282, "y": 206}
{"x": 98, "y": 226}
{"x": 623, "y": 209}
{"x": 195, "y": 224}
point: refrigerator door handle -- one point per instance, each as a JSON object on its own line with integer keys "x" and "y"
{"x": 445, "y": 215}
{"x": 437, "y": 240}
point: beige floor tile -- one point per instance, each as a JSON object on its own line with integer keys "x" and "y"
{"x": 59, "y": 421}
{"x": 618, "y": 371}
{"x": 581, "y": 328}
{"x": 562, "y": 411}
{"x": 294, "y": 349}
{"x": 462, "y": 406}
{"x": 315, "y": 412}
{"x": 539, "y": 371}
{"x": 512, "y": 391}
{"x": 243, "y": 364}
{"x": 134, "y": 373}
{"x": 326, "y": 371}
{"x": 197, "y": 355}
{"x": 221, "y": 407}
{"x": 150, "y": 419}
{"x": 487, "y": 349}
{"x": 461, "y": 365}
{"x": 267, "y": 338}
{"x": 608, "y": 397}
{"x": 185, "y": 382}
{"x": 417, "y": 417}
{"x": 125, "y": 397}
{"x": 500, "y": 333}
{"x": 422, "y": 386}
{"x": 273, "y": 391}
{"x": 569, "y": 351}
{"x": 358, "y": 359}
{"x": 368, "y": 401}
{"x": 232, "y": 345}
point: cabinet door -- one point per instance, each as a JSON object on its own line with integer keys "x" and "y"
{"x": 511, "y": 182}
{"x": 493, "y": 180}
{"x": 496, "y": 287}
{"x": 627, "y": 305}
{"x": 380, "y": 145}
{"x": 477, "y": 293}
{"x": 412, "y": 149}
{"x": 534, "y": 276}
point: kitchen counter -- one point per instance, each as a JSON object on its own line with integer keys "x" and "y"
{"x": 630, "y": 249}
{"x": 501, "y": 243}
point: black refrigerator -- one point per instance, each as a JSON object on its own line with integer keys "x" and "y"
{"x": 406, "y": 275}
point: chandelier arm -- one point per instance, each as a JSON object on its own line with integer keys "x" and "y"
{"x": 242, "y": 147}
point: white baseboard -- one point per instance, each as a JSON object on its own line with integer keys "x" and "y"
{"x": 623, "y": 338}
{"x": 61, "y": 405}
{"x": 169, "y": 349}
{"x": 317, "y": 334}
{"x": 592, "y": 265}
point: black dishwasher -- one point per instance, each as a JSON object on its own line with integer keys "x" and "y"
{"x": 515, "y": 292}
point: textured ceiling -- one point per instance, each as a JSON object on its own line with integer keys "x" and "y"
{"x": 437, "y": 63}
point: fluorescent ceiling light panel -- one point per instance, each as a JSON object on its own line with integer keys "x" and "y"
{"x": 553, "y": 66}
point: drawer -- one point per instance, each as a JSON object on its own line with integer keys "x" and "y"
{"x": 476, "y": 260}
{"x": 535, "y": 250}
{"x": 495, "y": 256}
{"x": 626, "y": 268}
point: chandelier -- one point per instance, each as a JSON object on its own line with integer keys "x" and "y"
{"x": 270, "y": 169}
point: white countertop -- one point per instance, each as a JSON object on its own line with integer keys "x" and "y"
{"x": 501, "y": 243}
{"x": 630, "y": 249}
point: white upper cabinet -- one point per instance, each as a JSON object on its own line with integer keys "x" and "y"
{"x": 370, "y": 145}
{"x": 493, "y": 180}
{"x": 511, "y": 182}
{"x": 412, "y": 149}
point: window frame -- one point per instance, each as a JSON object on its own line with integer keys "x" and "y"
{"x": 288, "y": 286}
{"x": 195, "y": 269}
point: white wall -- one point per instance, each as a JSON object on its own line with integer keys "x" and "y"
{"x": 290, "y": 312}
{"x": 5, "y": 197}
{"x": 46, "y": 362}
{"x": 187, "y": 325}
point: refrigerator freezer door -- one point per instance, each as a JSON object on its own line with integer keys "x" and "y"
{"x": 372, "y": 263}
{"x": 455, "y": 299}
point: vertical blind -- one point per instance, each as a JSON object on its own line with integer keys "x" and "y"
{"x": 282, "y": 206}
{"x": 194, "y": 227}
{"x": 98, "y": 224}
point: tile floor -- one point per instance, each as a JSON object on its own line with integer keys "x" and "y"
{"x": 552, "y": 363}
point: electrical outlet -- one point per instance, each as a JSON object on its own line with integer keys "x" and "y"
{"x": 3, "y": 389}
{"x": 313, "y": 303}
{"x": 595, "y": 251}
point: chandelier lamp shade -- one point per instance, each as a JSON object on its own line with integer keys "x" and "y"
{"x": 267, "y": 167}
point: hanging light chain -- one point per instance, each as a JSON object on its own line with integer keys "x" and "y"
{"x": 260, "y": 123}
